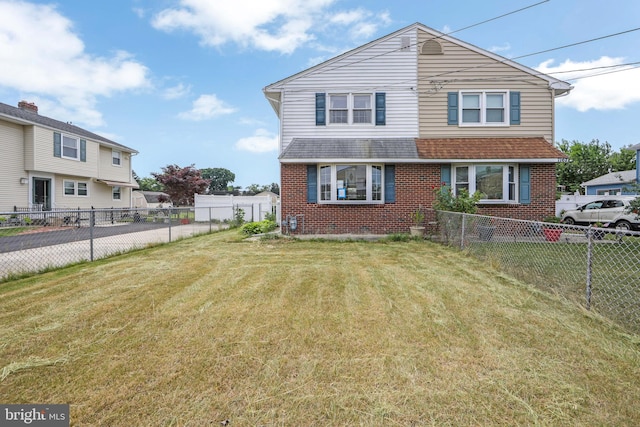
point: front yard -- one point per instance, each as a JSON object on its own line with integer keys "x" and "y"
{"x": 280, "y": 332}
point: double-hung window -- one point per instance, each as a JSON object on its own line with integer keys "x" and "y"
{"x": 75, "y": 188}
{"x": 70, "y": 147}
{"x": 116, "y": 193}
{"x": 116, "y": 158}
{"x": 496, "y": 182}
{"x": 487, "y": 108}
{"x": 351, "y": 108}
{"x": 351, "y": 183}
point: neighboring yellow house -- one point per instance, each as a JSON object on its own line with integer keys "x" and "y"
{"x": 48, "y": 164}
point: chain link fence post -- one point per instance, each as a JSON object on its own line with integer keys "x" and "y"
{"x": 589, "y": 266}
{"x": 92, "y": 222}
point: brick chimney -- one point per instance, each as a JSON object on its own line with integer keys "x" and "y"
{"x": 29, "y": 106}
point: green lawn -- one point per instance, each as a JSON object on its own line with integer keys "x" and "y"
{"x": 300, "y": 333}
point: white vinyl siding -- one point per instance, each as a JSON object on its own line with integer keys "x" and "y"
{"x": 462, "y": 69}
{"x": 378, "y": 67}
{"x": 12, "y": 167}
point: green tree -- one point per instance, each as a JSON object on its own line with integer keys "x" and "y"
{"x": 625, "y": 160}
{"x": 150, "y": 184}
{"x": 181, "y": 183}
{"x": 586, "y": 161}
{"x": 219, "y": 178}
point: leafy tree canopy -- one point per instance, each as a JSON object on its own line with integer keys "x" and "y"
{"x": 219, "y": 178}
{"x": 590, "y": 160}
{"x": 181, "y": 183}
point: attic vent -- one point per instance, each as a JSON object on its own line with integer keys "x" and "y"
{"x": 405, "y": 43}
{"x": 431, "y": 47}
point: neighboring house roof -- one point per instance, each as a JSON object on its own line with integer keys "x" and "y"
{"x": 620, "y": 177}
{"x": 152, "y": 196}
{"x": 327, "y": 149}
{"x": 530, "y": 150}
{"x": 23, "y": 116}
{"x": 635, "y": 147}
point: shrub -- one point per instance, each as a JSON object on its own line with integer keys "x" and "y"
{"x": 462, "y": 202}
{"x": 259, "y": 227}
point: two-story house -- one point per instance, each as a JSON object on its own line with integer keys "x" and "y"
{"x": 369, "y": 136}
{"x": 48, "y": 164}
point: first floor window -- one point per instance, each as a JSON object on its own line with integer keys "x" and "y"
{"x": 75, "y": 188}
{"x": 69, "y": 188}
{"x": 496, "y": 182}
{"x": 115, "y": 191}
{"x": 351, "y": 183}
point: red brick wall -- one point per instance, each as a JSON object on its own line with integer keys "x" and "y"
{"x": 415, "y": 184}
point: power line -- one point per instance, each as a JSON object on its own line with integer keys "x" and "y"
{"x": 318, "y": 71}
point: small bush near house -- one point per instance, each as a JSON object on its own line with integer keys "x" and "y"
{"x": 462, "y": 202}
{"x": 259, "y": 227}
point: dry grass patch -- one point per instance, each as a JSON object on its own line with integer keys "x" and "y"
{"x": 309, "y": 333}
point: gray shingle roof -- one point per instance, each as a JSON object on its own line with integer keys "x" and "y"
{"x": 353, "y": 149}
{"x": 27, "y": 116}
{"x": 620, "y": 177}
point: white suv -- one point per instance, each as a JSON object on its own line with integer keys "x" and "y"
{"x": 611, "y": 211}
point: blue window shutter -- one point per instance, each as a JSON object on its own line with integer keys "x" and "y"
{"x": 83, "y": 150}
{"x": 452, "y": 108}
{"x": 514, "y": 103}
{"x": 312, "y": 184}
{"x": 389, "y": 184}
{"x": 525, "y": 184}
{"x": 321, "y": 115}
{"x": 445, "y": 175}
{"x": 381, "y": 109}
{"x": 57, "y": 144}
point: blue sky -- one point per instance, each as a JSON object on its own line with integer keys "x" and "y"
{"x": 181, "y": 80}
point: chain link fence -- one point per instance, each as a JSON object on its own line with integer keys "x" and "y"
{"x": 34, "y": 241}
{"x": 598, "y": 268}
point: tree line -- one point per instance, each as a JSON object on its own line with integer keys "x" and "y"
{"x": 590, "y": 160}
{"x": 181, "y": 183}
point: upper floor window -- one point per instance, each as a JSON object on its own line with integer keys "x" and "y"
{"x": 496, "y": 182}
{"x": 351, "y": 108}
{"x": 70, "y": 147}
{"x": 483, "y": 108}
{"x": 351, "y": 183}
{"x": 116, "y": 158}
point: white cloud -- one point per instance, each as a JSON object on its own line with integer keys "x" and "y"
{"x": 62, "y": 70}
{"x": 262, "y": 141}
{"x": 275, "y": 25}
{"x": 207, "y": 107}
{"x": 177, "y": 91}
{"x": 607, "y": 91}
{"x": 503, "y": 48}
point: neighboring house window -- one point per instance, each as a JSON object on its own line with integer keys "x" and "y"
{"x": 483, "y": 108}
{"x": 70, "y": 147}
{"x": 116, "y": 193}
{"x": 75, "y": 188}
{"x": 115, "y": 158}
{"x": 351, "y": 183}
{"x": 609, "y": 192}
{"x": 497, "y": 183}
{"x": 359, "y": 108}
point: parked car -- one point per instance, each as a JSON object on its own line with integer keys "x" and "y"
{"x": 611, "y": 211}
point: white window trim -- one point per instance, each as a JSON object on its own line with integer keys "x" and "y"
{"x": 350, "y": 107}
{"x": 62, "y": 155}
{"x": 113, "y": 157}
{"x": 483, "y": 108}
{"x": 113, "y": 193}
{"x": 505, "y": 182}
{"x": 76, "y": 189}
{"x": 334, "y": 193}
